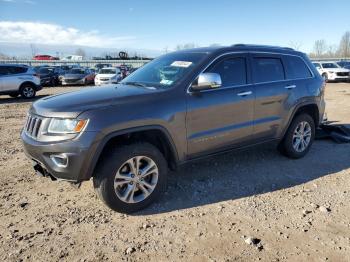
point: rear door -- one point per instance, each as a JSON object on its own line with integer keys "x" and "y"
{"x": 14, "y": 77}
{"x": 222, "y": 117}
{"x": 274, "y": 95}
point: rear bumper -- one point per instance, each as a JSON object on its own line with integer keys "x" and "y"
{"x": 73, "y": 82}
{"x": 78, "y": 153}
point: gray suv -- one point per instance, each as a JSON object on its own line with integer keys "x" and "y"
{"x": 179, "y": 107}
{"x": 18, "y": 80}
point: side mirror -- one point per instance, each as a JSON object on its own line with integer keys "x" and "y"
{"x": 207, "y": 81}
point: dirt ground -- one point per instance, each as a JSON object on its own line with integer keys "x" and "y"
{"x": 293, "y": 210}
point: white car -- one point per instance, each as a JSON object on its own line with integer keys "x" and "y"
{"x": 331, "y": 71}
{"x": 107, "y": 75}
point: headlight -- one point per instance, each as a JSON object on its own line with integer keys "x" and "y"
{"x": 331, "y": 72}
{"x": 66, "y": 126}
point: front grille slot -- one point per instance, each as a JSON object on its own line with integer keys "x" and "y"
{"x": 32, "y": 126}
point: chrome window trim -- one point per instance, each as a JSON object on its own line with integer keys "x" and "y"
{"x": 188, "y": 91}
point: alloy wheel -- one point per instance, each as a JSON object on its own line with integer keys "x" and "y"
{"x": 302, "y": 136}
{"x": 136, "y": 179}
{"x": 28, "y": 91}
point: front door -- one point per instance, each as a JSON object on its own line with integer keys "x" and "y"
{"x": 223, "y": 117}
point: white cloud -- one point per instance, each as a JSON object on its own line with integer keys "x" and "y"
{"x": 44, "y": 33}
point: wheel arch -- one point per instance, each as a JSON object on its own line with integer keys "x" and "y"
{"x": 310, "y": 108}
{"x": 26, "y": 83}
{"x": 155, "y": 135}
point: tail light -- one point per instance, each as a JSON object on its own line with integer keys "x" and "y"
{"x": 36, "y": 75}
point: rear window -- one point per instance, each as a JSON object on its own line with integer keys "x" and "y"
{"x": 296, "y": 68}
{"x": 268, "y": 69}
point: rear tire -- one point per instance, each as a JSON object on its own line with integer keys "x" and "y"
{"x": 120, "y": 188}
{"x": 299, "y": 137}
{"x": 27, "y": 91}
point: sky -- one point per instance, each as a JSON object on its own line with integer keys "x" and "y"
{"x": 162, "y": 25}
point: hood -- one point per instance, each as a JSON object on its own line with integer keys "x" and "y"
{"x": 74, "y": 103}
{"x": 106, "y": 75}
{"x": 74, "y": 76}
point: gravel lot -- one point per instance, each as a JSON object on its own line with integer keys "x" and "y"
{"x": 243, "y": 206}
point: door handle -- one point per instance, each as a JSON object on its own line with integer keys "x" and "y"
{"x": 247, "y": 93}
{"x": 290, "y": 87}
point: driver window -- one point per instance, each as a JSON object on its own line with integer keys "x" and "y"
{"x": 233, "y": 71}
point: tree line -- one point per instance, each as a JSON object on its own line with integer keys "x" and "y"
{"x": 322, "y": 49}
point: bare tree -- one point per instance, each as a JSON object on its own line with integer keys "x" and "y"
{"x": 344, "y": 45}
{"x": 332, "y": 51}
{"x": 296, "y": 45}
{"x": 80, "y": 52}
{"x": 320, "y": 47}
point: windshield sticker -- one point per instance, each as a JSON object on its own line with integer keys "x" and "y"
{"x": 181, "y": 64}
{"x": 166, "y": 82}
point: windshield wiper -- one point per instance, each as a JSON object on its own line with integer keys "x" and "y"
{"x": 134, "y": 84}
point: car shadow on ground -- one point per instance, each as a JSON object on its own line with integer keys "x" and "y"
{"x": 19, "y": 99}
{"x": 247, "y": 173}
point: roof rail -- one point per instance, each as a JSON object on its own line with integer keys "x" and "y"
{"x": 262, "y": 46}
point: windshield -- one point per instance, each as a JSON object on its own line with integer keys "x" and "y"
{"x": 165, "y": 71}
{"x": 108, "y": 71}
{"x": 77, "y": 71}
{"x": 329, "y": 65}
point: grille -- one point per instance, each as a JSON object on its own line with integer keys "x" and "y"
{"x": 342, "y": 74}
{"x": 32, "y": 126}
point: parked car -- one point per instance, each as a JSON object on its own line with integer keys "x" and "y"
{"x": 49, "y": 76}
{"x": 98, "y": 67}
{"x": 177, "y": 108}
{"x": 107, "y": 75}
{"x": 18, "y": 80}
{"x": 344, "y": 64}
{"x": 330, "y": 71}
{"x": 78, "y": 76}
{"x": 45, "y": 57}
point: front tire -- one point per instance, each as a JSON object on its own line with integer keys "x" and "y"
{"x": 131, "y": 177}
{"x": 299, "y": 137}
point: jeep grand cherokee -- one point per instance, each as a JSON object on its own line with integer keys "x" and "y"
{"x": 178, "y": 107}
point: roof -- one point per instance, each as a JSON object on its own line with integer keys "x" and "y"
{"x": 241, "y": 47}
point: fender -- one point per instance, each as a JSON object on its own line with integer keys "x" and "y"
{"x": 296, "y": 108}
{"x": 88, "y": 172}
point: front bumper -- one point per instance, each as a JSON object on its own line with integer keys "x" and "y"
{"x": 105, "y": 82}
{"x": 79, "y": 153}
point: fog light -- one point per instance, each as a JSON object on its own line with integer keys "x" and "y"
{"x": 60, "y": 160}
